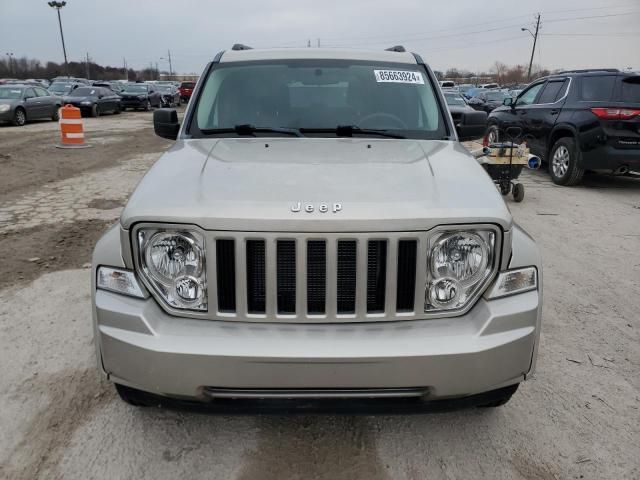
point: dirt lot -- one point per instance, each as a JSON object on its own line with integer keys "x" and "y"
{"x": 578, "y": 418}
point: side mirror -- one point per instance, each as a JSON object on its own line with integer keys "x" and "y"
{"x": 509, "y": 102}
{"x": 165, "y": 123}
{"x": 472, "y": 126}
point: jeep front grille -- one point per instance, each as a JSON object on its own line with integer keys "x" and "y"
{"x": 354, "y": 277}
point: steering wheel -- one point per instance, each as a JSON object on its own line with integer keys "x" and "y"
{"x": 381, "y": 117}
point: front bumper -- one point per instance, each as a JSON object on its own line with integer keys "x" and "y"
{"x": 141, "y": 346}
{"x": 133, "y": 103}
{"x": 7, "y": 116}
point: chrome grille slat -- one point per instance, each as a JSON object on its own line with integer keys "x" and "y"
{"x": 392, "y": 275}
{"x": 332, "y": 278}
{"x": 272, "y": 295}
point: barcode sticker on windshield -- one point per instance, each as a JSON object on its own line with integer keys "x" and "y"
{"x": 398, "y": 76}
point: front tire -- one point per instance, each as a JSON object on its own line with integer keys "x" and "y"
{"x": 95, "y": 112}
{"x": 564, "y": 162}
{"x": 147, "y": 106}
{"x": 19, "y": 117}
{"x": 56, "y": 113}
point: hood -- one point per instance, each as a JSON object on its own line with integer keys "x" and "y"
{"x": 251, "y": 184}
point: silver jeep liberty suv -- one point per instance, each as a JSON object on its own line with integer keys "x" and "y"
{"x": 317, "y": 236}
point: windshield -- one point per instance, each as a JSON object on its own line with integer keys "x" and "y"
{"x": 83, "y": 92}
{"x": 60, "y": 87}
{"x": 454, "y": 99}
{"x": 136, "y": 88}
{"x": 9, "y": 93}
{"x": 320, "y": 94}
{"x": 496, "y": 96}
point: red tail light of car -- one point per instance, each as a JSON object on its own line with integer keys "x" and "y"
{"x": 615, "y": 113}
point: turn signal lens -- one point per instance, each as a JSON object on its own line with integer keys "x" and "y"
{"x": 119, "y": 281}
{"x": 514, "y": 281}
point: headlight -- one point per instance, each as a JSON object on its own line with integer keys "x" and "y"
{"x": 173, "y": 262}
{"x": 85, "y": 103}
{"x": 4, "y": 108}
{"x": 460, "y": 263}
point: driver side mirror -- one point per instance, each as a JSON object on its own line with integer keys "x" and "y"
{"x": 472, "y": 125}
{"x": 165, "y": 123}
{"x": 509, "y": 102}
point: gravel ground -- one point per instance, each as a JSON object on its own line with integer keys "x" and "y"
{"x": 578, "y": 418}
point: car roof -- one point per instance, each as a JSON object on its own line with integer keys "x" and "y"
{"x": 316, "y": 54}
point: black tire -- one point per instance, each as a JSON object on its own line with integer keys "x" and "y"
{"x": 56, "y": 113}
{"x": 147, "y": 106}
{"x": 493, "y": 134}
{"x": 518, "y": 192}
{"x": 19, "y": 117}
{"x": 505, "y": 188}
{"x": 131, "y": 396}
{"x": 95, "y": 112}
{"x": 123, "y": 109}
{"x": 564, "y": 162}
{"x": 506, "y": 396}
{"x": 116, "y": 110}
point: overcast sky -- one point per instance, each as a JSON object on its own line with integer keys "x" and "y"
{"x": 467, "y": 34}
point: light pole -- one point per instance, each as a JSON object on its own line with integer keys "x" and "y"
{"x": 58, "y": 6}
{"x": 168, "y": 58}
{"x": 535, "y": 40}
{"x": 10, "y": 55}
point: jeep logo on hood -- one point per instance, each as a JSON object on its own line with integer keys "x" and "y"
{"x": 321, "y": 207}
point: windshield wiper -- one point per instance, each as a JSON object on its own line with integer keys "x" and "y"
{"x": 247, "y": 129}
{"x": 351, "y": 130}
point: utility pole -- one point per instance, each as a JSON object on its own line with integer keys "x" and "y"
{"x": 535, "y": 40}
{"x": 170, "y": 67}
{"x": 126, "y": 70}
{"x": 87, "y": 66}
{"x": 58, "y": 6}
{"x": 10, "y": 55}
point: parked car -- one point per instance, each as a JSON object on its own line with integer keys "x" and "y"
{"x": 490, "y": 86}
{"x": 463, "y": 88}
{"x": 487, "y": 100}
{"x": 472, "y": 92}
{"x": 63, "y": 88}
{"x": 169, "y": 94}
{"x": 140, "y": 95}
{"x": 458, "y": 106}
{"x": 94, "y": 101}
{"x": 447, "y": 84}
{"x": 317, "y": 232}
{"x": 576, "y": 121}
{"x": 21, "y": 103}
{"x": 186, "y": 89}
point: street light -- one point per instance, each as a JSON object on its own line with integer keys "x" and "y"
{"x": 58, "y": 6}
{"x": 10, "y": 55}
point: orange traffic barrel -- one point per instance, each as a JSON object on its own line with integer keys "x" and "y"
{"x": 71, "y": 128}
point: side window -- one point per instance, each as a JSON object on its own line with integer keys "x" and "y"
{"x": 529, "y": 96}
{"x": 29, "y": 93}
{"x": 631, "y": 90}
{"x": 41, "y": 92}
{"x": 550, "y": 92}
{"x": 597, "y": 89}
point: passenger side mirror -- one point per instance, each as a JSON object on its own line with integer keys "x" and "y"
{"x": 165, "y": 123}
{"x": 472, "y": 126}
{"x": 509, "y": 102}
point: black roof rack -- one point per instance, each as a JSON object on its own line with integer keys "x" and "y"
{"x": 588, "y": 70}
{"x": 396, "y": 48}
{"x": 239, "y": 46}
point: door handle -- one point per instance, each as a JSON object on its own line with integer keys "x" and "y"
{"x": 555, "y": 111}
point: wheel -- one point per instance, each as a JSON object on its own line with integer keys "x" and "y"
{"x": 56, "y": 113}
{"x": 95, "y": 112}
{"x": 564, "y": 163}
{"x": 131, "y": 396}
{"x": 19, "y": 117}
{"x": 147, "y": 106}
{"x": 505, "y": 395}
{"x": 493, "y": 134}
{"x": 116, "y": 111}
{"x": 518, "y": 192}
{"x": 505, "y": 188}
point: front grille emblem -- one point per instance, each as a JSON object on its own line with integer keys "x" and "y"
{"x": 322, "y": 207}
